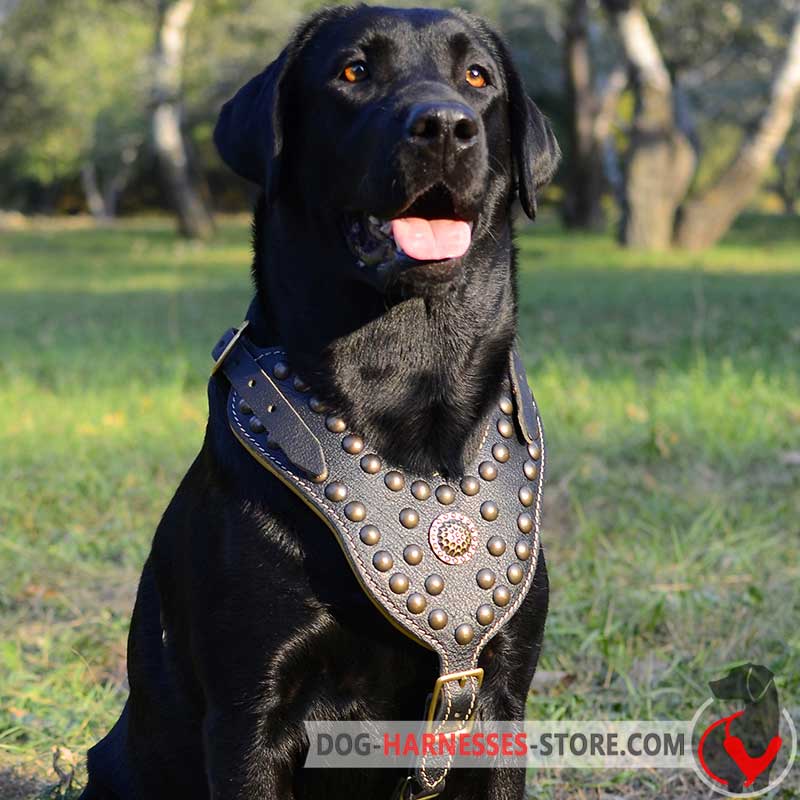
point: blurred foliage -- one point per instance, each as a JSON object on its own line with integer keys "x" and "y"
{"x": 74, "y": 79}
{"x": 71, "y": 91}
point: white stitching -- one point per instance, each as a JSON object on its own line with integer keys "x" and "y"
{"x": 445, "y": 718}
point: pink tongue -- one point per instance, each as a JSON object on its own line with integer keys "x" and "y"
{"x": 431, "y": 239}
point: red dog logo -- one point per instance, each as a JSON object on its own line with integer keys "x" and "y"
{"x": 738, "y": 751}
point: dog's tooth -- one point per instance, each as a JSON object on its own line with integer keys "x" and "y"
{"x": 386, "y": 228}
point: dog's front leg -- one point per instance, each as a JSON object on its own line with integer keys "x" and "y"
{"x": 248, "y": 758}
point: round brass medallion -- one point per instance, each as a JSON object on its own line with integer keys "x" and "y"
{"x": 453, "y": 537}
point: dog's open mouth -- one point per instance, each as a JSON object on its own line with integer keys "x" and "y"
{"x": 427, "y": 231}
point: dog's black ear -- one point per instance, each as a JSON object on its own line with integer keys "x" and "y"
{"x": 533, "y": 145}
{"x": 248, "y": 134}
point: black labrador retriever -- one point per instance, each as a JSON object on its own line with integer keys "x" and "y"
{"x": 390, "y": 146}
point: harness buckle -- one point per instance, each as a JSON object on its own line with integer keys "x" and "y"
{"x": 220, "y": 359}
{"x": 405, "y": 791}
{"x": 462, "y": 678}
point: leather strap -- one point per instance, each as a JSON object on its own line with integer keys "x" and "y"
{"x": 525, "y": 411}
{"x": 273, "y": 413}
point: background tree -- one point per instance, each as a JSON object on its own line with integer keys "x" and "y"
{"x": 707, "y": 216}
{"x": 105, "y": 105}
{"x": 71, "y": 99}
{"x": 183, "y": 180}
{"x": 661, "y": 159}
{"x": 787, "y": 171}
{"x": 591, "y": 110}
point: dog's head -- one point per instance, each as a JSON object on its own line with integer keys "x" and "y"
{"x": 405, "y": 132}
{"x": 748, "y": 682}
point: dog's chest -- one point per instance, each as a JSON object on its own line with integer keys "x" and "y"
{"x": 448, "y": 563}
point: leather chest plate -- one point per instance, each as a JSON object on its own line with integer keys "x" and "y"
{"x": 448, "y": 562}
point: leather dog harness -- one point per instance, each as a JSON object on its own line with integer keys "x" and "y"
{"x": 448, "y": 563}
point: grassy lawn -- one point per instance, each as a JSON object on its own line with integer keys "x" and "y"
{"x": 670, "y": 391}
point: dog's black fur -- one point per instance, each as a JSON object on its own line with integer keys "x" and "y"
{"x": 248, "y": 620}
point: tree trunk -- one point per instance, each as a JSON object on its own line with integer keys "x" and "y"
{"x": 615, "y": 85}
{"x": 91, "y": 191}
{"x": 660, "y": 162}
{"x": 706, "y": 218}
{"x": 194, "y": 218}
{"x": 119, "y": 180}
{"x": 787, "y": 185}
{"x": 582, "y": 203}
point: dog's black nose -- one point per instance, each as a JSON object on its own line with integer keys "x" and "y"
{"x": 442, "y": 125}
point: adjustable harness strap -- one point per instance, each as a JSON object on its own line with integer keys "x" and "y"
{"x": 265, "y": 404}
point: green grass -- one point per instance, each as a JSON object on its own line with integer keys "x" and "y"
{"x": 670, "y": 392}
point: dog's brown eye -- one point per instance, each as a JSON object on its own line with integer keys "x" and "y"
{"x": 355, "y": 72}
{"x": 477, "y": 77}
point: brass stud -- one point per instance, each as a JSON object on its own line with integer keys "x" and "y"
{"x": 525, "y": 522}
{"x": 409, "y": 518}
{"x": 485, "y": 614}
{"x": 526, "y": 496}
{"x": 514, "y": 574}
{"x": 352, "y": 444}
{"x": 434, "y": 584}
{"x": 412, "y": 554}
{"x": 256, "y": 425}
{"x": 382, "y": 561}
{"x": 437, "y": 619}
{"x": 244, "y": 408}
{"x": 485, "y": 578}
{"x": 506, "y": 406}
{"x": 420, "y": 490}
{"x": 501, "y": 453}
{"x": 398, "y": 583}
{"x": 501, "y": 596}
{"x": 470, "y": 486}
{"x": 489, "y": 510}
{"x": 523, "y": 550}
{"x": 534, "y": 451}
{"x": 281, "y": 370}
{"x": 496, "y": 546}
{"x": 316, "y": 405}
{"x": 299, "y": 384}
{"x": 335, "y": 424}
{"x": 371, "y": 464}
{"x": 445, "y": 495}
{"x": 394, "y": 480}
{"x": 370, "y": 535}
{"x": 530, "y": 469}
{"x": 355, "y": 511}
{"x": 416, "y": 603}
{"x": 505, "y": 428}
{"x": 336, "y": 491}
{"x": 487, "y": 471}
{"x": 464, "y": 634}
